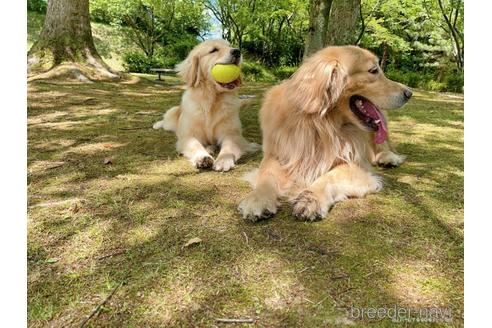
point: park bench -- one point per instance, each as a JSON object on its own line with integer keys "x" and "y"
{"x": 165, "y": 71}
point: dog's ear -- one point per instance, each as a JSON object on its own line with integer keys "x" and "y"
{"x": 189, "y": 70}
{"x": 317, "y": 85}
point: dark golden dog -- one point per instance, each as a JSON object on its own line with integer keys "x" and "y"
{"x": 321, "y": 130}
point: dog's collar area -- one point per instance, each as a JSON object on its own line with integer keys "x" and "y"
{"x": 370, "y": 116}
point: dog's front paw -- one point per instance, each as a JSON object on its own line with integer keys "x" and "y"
{"x": 389, "y": 159}
{"x": 257, "y": 207}
{"x": 307, "y": 207}
{"x": 224, "y": 163}
{"x": 204, "y": 162}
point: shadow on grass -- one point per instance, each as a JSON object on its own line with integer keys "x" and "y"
{"x": 131, "y": 220}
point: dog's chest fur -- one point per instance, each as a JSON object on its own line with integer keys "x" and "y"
{"x": 217, "y": 112}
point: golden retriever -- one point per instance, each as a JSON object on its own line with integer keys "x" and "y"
{"x": 208, "y": 115}
{"x": 320, "y": 128}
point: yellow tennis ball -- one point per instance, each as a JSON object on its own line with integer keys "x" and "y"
{"x": 225, "y": 73}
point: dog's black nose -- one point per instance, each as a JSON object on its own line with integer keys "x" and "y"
{"x": 236, "y": 53}
{"x": 408, "y": 93}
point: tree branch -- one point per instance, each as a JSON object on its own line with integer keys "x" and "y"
{"x": 454, "y": 35}
{"x": 100, "y": 305}
{"x": 363, "y": 29}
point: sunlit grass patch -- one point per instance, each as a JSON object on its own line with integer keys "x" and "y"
{"x": 94, "y": 226}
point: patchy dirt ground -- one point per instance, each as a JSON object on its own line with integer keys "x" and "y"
{"x": 118, "y": 229}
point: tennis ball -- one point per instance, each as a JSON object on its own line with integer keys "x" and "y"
{"x": 225, "y": 73}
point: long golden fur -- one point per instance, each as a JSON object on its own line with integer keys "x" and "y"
{"x": 317, "y": 148}
{"x": 208, "y": 115}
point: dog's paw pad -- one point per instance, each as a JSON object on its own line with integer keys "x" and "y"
{"x": 307, "y": 207}
{"x": 204, "y": 162}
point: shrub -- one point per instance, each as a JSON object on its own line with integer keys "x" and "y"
{"x": 412, "y": 79}
{"x": 433, "y": 81}
{"x": 37, "y": 5}
{"x": 255, "y": 72}
{"x": 284, "y": 72}
{"x": 434, "y": 86}
{"x": 178, "y": 48}
{"x": 455, "y": 82}
{"x": 167, "y": 58}
{"x": 137, "y": 62}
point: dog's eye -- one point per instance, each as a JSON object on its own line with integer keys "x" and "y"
{"x": 213, "y": 50}
{"x": 374, "y": 70}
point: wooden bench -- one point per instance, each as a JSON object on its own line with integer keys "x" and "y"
{"x": 165, "y": 71}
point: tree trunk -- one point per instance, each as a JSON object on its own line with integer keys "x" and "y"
{"x": 65, "y": 47}
{"x": 319, "y": 12}
{"x": 384, "y": 60}
{"x": 342, "y": 27}
{"x": 331, "y": 22}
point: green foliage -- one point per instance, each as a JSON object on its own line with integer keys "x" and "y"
{"x": 271, "y": 32}
{"x": 35, "y": 22}
{"x": 432, "y": 85}
{"x": 154, "y": 23}
{"x": 455, "y": 81}
{"x": 163, "y": 57}
{"x": 37, "y": 5}
{"x": 178, "y": 49}
{"x": 434, "y": 81}
{"x": 284, "y": 72}
{"x": 138, "y": 62}
{"x": 410, "y": 38}
{"x": 255, "y": 72}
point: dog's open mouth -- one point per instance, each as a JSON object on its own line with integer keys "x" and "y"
{"x": 231, "y": 85}
{"x": 370, "y": 116}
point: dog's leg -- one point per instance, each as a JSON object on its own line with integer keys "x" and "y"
{"x": 346, "y": 180}
{"x": 231, "y": 149}
{"x": 192, "y": 149}
{"x": 262, "y": 202}
{"x": 230, "y": 152}
{"x": 386, "y": 156}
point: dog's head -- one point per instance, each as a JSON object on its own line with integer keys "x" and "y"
{"x": 347, "y": 81}
{"x": 196, "y": 69}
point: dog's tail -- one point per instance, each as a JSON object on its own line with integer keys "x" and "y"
{"x": 170, "y": 120}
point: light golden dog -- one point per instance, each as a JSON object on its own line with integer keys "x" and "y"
{"x": 320, "y": 131}
{"x": 209, "y": 112}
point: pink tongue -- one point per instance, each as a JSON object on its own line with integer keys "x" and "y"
{"x": 382, "y": 132}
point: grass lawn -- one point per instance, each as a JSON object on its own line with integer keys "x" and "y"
{"x": 95, "y": 228}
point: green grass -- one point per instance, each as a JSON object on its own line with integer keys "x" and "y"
{"x": 93, "y": 226}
